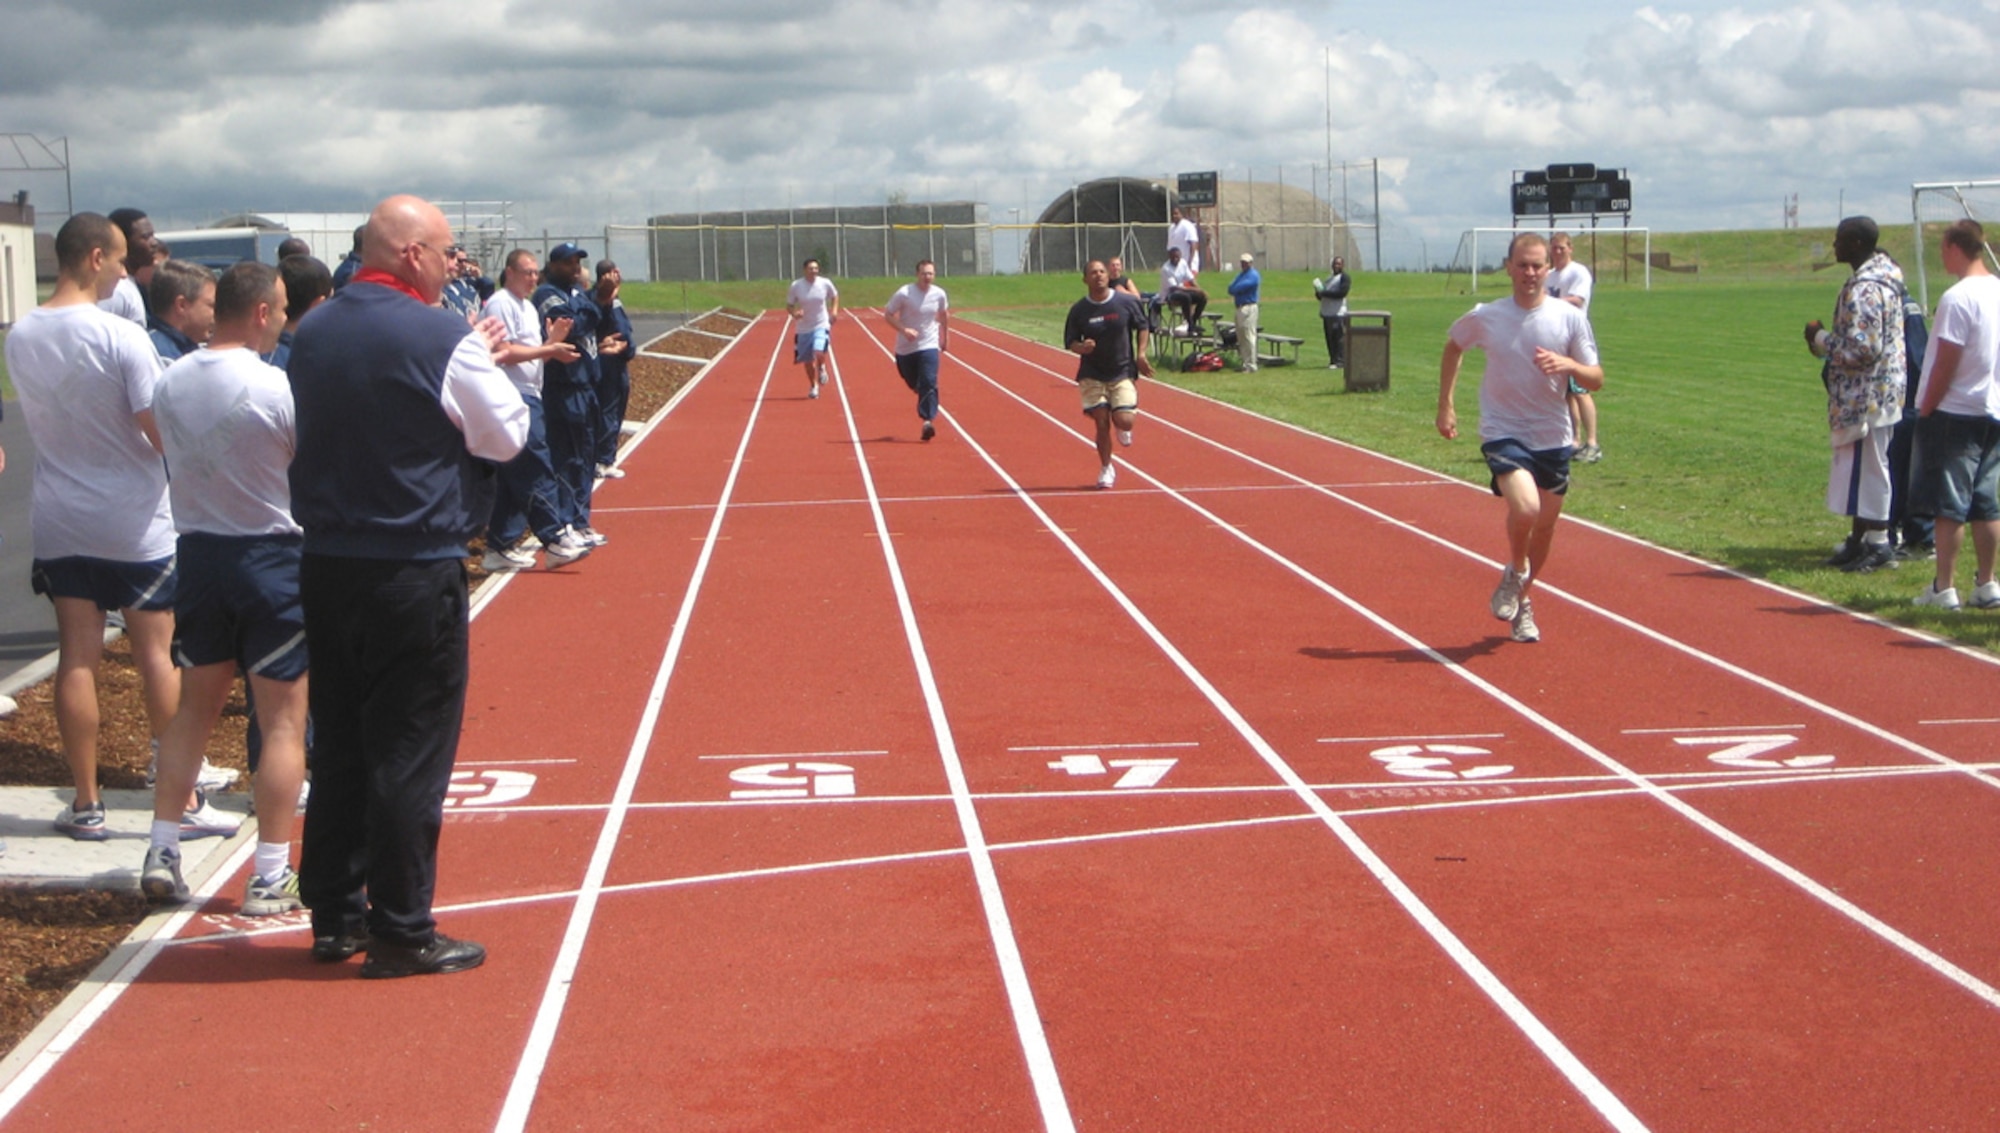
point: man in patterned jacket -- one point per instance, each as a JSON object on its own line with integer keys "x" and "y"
{"x": 1864, "y": 378}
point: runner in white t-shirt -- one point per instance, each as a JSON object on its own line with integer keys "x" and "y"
{"x": 1534, "y": 348}
{"x": 1570, "y": 282}
{"x": 103, "y": 532}
{"x": 920, "y": 315}
{"x": 815, "y": 302}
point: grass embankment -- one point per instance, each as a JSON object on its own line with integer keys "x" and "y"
{"x": 1712, "y": 418}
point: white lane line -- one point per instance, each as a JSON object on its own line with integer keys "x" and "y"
{"x": 1824, "y": 894}
{"x": 1691, "y": 730}
{"x": 1969, "y": 720}
{"x": 1105, "y": 747}
{"x": 1410, "y": 739}
{"x": 548, "y": 1015}
{"x": 509, "y": 762}
{"x": 1580, "y": 1077}
{"x": 1657, "y": 636}
{"x": 798, "y": 754}
{"x": 1034, "y": 1041}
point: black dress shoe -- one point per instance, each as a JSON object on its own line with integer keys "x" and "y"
{"x": 441, "y": 955}
{"x": 340, "y": 946}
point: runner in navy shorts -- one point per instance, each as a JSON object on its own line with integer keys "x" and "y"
{"x": 1549, "y": 467}
{"x": 239, "y": 601}
{"x": 110, "y": 585}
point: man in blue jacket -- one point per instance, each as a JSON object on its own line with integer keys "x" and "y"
{"x": 569, "y": 389}
{"x": 401, "y": 418}
{"x": 1244, "y": 289}
{"x": 615, "y": 350}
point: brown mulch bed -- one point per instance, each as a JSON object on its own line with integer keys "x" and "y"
{"x": 51, "y": 938}
{"x": 689, "y": 344}
{"x": 725, "y": 321}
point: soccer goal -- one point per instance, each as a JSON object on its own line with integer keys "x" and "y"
{"x": 1602, "y": 250}
{"x": 1937, "y": 204}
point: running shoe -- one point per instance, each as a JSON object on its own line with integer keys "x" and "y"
{"x": 209, "y": 778}
{"x": 1125, "y": 437}
{"x": 591, "y": 536}
{"x": 610, "y": 472}
{"x": 1845, "y": 552}
{"x": 566, "y": 550}
{"x": 83, "y": 823}
{"x": 1524, "y": 628}
{"x": 813, "y": 393}
{"x": 160, "y": 877}
{"x": 206, "y": 820}
{"x": 1507, "y": 596}
{"x": 1986, "y": 595}
{"x": 506, "y": 559}
{"x": 1873, "y": 557}
{"x": 271, "y": 898}
{"x": 930, "y": 430}
{"x": 824, "y": 374}
{"x": 1589, "y": 454}
{"x": 1946, "y": 599}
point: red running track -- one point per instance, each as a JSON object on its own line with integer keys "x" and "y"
{"x": 863, "y": 783}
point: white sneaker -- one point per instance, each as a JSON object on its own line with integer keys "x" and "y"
{"x": 1986, "y": 595}
{"x": 209, "y": 778}
{"x": 1507, "y": 596}
{"x": 7, "y": 705}
{"x": 273, "y": 898}
{"x": 506, "y": 559}
{"x": 813, "y": 393}
{"x": 1125, "y": 437}
{"x": 610, "y": 472}
{"x": 565, "y": 551}
{"x": 1524, "y": 628}
{"x": 528, "y": 543}
{"x": 205, "y": 821}
{"x": 1946, "y": 599}
{"x": 160, "y": 877}
{"x": 592, "y": 536}
{"x": 1108, "y": 476}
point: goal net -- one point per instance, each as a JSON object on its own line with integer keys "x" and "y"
{"x": 1607, "y": 252}
{"x": 1934, "y": 206}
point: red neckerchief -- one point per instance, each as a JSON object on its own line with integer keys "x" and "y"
{"x": 377, "y": 275}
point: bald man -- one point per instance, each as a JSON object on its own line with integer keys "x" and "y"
{"x": 403, "y": 417}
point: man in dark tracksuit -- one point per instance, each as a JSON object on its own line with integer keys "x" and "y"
{"x": 615, "y": 350}
{"x": 401, "y": 413}
{"x": 569, "y": 389}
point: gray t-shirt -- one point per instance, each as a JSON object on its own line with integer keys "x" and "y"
{"x": 524, "y": 327}
{"x": 226, "y": 420}
{"x": 100, "y": 490}
{"x": 1517, "y": 400}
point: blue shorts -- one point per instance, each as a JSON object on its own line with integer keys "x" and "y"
{"x": 239, "y": 602}
{"x": 112, "y": 585}
{"x": 809, "y": 343}
{"x": 1956, "y": 468}
{"x": 1549, "y": 466}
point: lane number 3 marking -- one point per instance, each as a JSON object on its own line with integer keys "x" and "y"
{"x": 1438, "y": 761}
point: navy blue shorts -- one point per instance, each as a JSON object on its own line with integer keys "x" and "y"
{"x": 1956, "y": 469}
{"x": 1549, "y": 466}
{"x": 239, "y": 601}
{"x": 112, "y": 585}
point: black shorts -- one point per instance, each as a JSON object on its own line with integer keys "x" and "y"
{"x": 239, "y": 601}
{"x": 112, "y": 585}
{"x": 1549, "y": 466}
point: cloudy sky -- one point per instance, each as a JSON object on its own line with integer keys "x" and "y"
{"x": 604, "y": 111}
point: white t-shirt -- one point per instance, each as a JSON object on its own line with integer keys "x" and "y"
{"x": 1185, "y": 236}
{"x": 227, "y": 423}
{"x": 911, "y": 308}
{"x": 125, "y": 302}
{"x": 811, "y": 300}
{"x": 100, "y": 489}
{"x": 1516, "y": 399}
{"x": 524, "y": 327}
{"x": 1572, "y": 282}
{"x": 1174, "y": 274}
{"x": 1968, "y": 316}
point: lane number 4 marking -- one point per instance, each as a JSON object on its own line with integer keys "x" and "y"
{"x": 1138, "y": 772}
{"x": 1752, "y": 752}
{"x": 1438, "y": 761}
{"x": 793, "y": 780}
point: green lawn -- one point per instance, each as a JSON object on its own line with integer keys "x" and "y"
{"x": 1712, "y": 417}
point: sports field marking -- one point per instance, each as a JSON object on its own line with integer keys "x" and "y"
{"x": 508, "y": 762}
{"x": 1798, "y": 878}
{"x": 1803, "y": 699}
{"x": 1410, "y": 739}
{"x": 548, "y": 1014}
{"x": 1034, "y": 1041}
{"x": 799, "y": 754}
{"x": 1106, "y": 747}
{"x": 1981, "y": 720}
{"x": 1559, "y": 1055}
{"x": 1692, "y": 728}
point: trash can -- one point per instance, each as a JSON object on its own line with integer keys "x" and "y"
{"x": 1367, "y": 350}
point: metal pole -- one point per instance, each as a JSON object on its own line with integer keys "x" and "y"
{"x": 1375, "y": 165}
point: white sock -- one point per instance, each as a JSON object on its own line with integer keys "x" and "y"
{"x": 1874, "y": 536}
{"x": 272, "y": 859}
{"x": 167, "y": 833}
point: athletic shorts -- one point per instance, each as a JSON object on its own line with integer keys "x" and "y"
{"x": 809, "y": 343}
{"x": 1121, "y": 395}
{"x": 239, "y": 601}
{"x": 1575, "y": 389}
{"x": 1549, "y": 466}
{"x": 1956, "y": 470}
{"x": 1858, "y": 483}
{"x": 110, "y": 584}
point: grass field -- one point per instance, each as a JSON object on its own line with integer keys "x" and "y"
{"x": 1712, "y": 417}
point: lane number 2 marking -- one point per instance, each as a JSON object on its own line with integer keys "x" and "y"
{"x": 487, "y": 788}
{"x": 1751, "y": 752}
{"x": 1138, "y": 772}
{"x": 793, "y": 780}
{"x": 1438, "y": 761}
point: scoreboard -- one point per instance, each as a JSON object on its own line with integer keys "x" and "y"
{"x": 1571, "y": 190}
